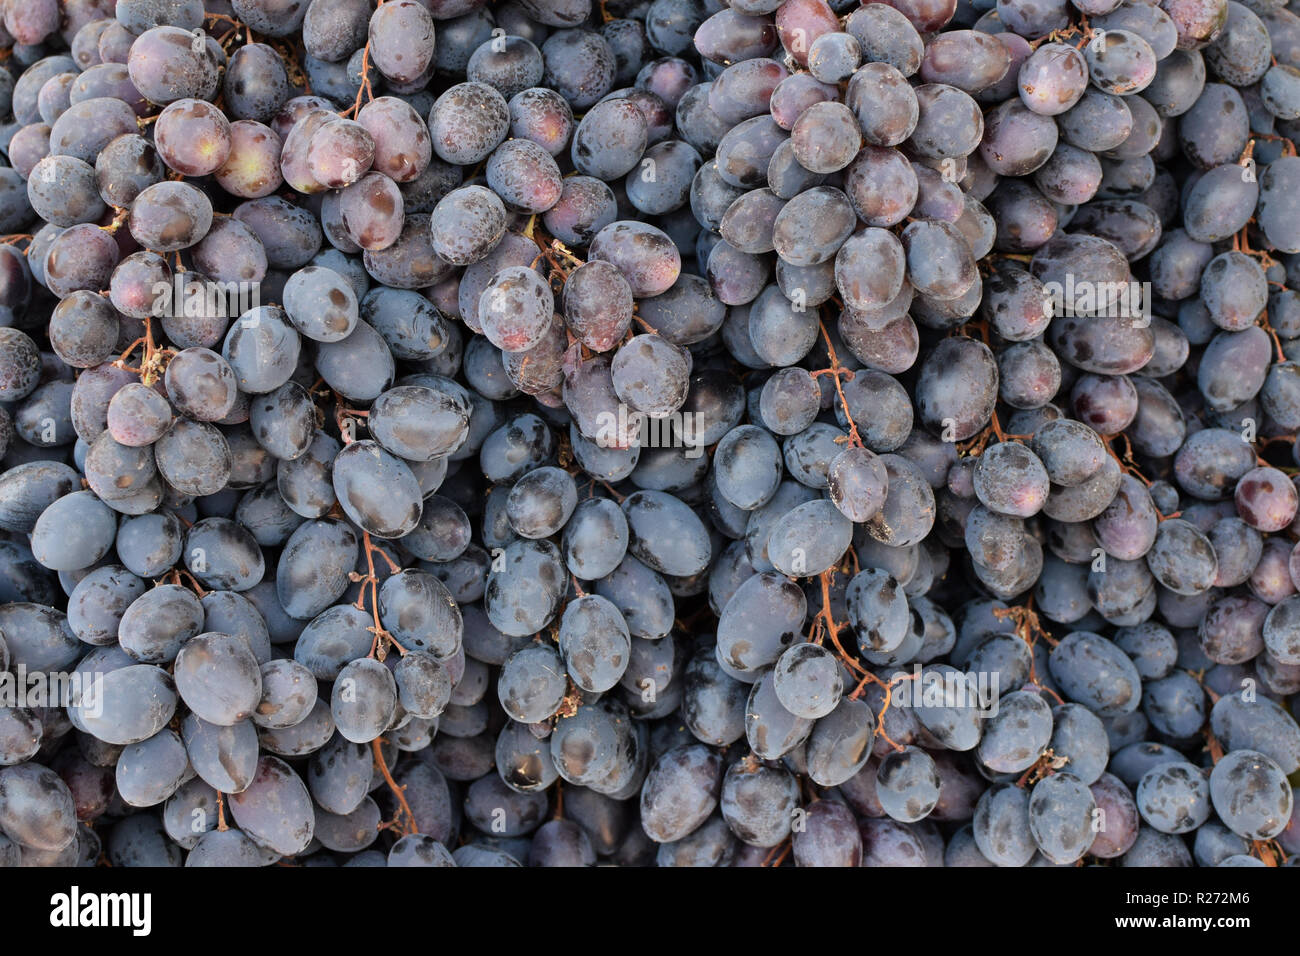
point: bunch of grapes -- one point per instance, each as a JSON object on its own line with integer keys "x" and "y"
{"x": 649, "y": 432}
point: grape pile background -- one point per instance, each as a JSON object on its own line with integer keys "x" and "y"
{"x": 330, "y": 332}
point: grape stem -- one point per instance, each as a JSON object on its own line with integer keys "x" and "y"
{"x": 1288, "y": 147}
{"x": 1127, "y": 463}
{"x": 570, "y": 702}
{"x": 559, "y": 259}
{"x": 364, "y": 89}
{"x": 119, "y": 220}
{"x": 835, "y": 371}
{"x": 1047, "y": 764}
{"x": 784, "y": 848}
{"x": 608, "y": 487}
{"x": 1080, "y": 29}
{"x": 888, "y": 687}
{"x": 981, "y": 326}
{"x": 1241, "y": 238}
{"x": 291, "y": 55}
{"x": 403, "y": 822}
{"x": 1270, "y": 851}
{"x": 1029, "y": 629}
{"x": 974, "y": 446}
{"x": 643, "y": 323}
{"x": 177, "y": 577}
{"x": 224, "y": 18}
{"x": 379, "y": 645}
{"x": 823, "y": 623}
{"x": 345, "y": 417}
{"x": 1267, "y": 326}
{"x": 824, "y": 626}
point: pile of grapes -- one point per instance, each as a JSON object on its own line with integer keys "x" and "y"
{"x": 649, "y": 432}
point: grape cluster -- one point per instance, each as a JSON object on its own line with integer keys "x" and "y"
{"x": 652, "y": 432}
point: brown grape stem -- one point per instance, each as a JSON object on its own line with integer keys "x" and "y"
{"x": 1270, "y": 851}
{"x": 364, "y": 90}
{"x": 610, "y": 488}
{"x": 1212, "y": 744}
{"x": 403, "y": 822}
{"x": 1288, "y": 147}
{"x": 178, "y": 577}
{"x": 650, "y": 329}
{"x": 832, "y": 631}
{"x": 1126, "y": 462}
{"x": 823, "y": 622}
{"x": 974, "y": 447}
{"x": 1029, "y": 628}
{"x": 119, "y": 220}
{"x": 776, "y": 856}
{"x": 1267, "y": 326}
{"x": 888, "y": 686}
{"x": 1046, "y": 765}
{"x": 836, "y": 370}
{"x": 381, "y": 639}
